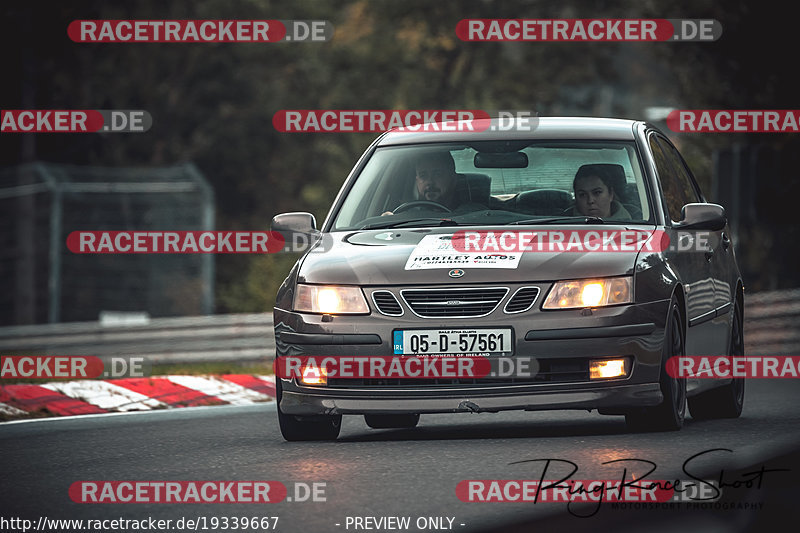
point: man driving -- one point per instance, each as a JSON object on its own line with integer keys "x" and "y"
{"x": 435, "y": 181}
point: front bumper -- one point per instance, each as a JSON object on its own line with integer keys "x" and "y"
{"x": 635, "y": 332}
{"x": 606, "y": 398}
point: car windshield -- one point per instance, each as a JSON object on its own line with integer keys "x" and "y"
{"x": 497, "y": 182}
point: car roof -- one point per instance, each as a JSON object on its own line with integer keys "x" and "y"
{"x": 577, "y": 128}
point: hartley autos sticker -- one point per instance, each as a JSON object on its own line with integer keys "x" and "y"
{"x": 436, "y": 251}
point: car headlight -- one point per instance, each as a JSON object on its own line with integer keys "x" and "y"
{"x": 330, "y": 299}
{"x": 590, "y": 293}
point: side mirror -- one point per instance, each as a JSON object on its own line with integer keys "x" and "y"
{"x": 703, "y": 216}
{"x": 297, "y": 222}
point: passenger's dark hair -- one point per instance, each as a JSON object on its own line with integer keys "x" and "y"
{"x": 598, "y": 171}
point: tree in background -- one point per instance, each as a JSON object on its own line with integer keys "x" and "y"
{"x": 213, "y": 103}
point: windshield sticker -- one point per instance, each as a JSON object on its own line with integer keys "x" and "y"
{"x": 436, "y": 251}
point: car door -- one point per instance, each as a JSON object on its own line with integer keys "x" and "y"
{"x": 718, "y": 252}
{"x": 719, "y": 245}
{"x": 686, "y": 253}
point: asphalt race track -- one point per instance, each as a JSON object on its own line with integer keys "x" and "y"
{"x": 405, "y": 473}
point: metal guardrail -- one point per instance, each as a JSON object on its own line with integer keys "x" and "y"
{"x": 237, "y": 337}
{"x": 772, "y": 323}
{"x": 770, "y": 327}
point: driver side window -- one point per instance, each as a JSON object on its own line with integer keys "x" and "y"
{"x": 675, "y": 181}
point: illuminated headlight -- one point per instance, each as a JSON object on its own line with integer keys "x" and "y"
{"x": 590, "y": 293}
{"x": 330, "y": 299}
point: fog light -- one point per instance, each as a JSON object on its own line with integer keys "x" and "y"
{"x": 610, "y": 368}
{"x": 313, "y": 375}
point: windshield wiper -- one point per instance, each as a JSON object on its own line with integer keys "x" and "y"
{"x": 400, "y": 223}
{"x": 555, "y": 220}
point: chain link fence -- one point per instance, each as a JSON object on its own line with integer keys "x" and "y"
{"x": 42, "y": 281}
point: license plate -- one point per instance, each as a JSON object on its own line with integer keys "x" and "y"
{"x": 453, "y": 341}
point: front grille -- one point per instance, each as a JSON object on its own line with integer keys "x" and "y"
{"x": 566, "y": 370}
{"x": 386, "y": 303}
{"x": 522, "y": 300}
{"x": 454, "y": 303}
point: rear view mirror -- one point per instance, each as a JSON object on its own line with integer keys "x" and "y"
{"x": 297, "y": 222}
{"x": 703, "y": 216}
{"x": 501, "y": 160}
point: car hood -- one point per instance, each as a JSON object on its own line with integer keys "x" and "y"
{"x": 381, "y": 257}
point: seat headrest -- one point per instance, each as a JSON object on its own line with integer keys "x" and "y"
{"x": 543, "y": 198}
{"x": 473, "y": 187}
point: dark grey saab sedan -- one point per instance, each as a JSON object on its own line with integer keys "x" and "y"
{"x": 572, "y": 261}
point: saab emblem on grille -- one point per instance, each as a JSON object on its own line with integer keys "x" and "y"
{"x": 456, "y": 273}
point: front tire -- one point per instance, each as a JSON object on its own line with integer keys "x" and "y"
{"x": 307, "y": 428}
{"x": 726, "y": 401}
{"x": 669, "y": 415}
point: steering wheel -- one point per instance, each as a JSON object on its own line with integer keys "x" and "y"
{"x": 421, "y": 203}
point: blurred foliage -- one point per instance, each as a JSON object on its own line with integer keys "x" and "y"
{"x": 253, "y": 289}
{"x": 213, "y": 103}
